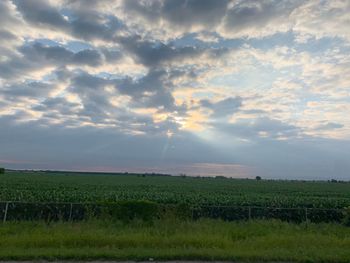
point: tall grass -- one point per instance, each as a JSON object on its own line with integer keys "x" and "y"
{"x": 172, "y": 239}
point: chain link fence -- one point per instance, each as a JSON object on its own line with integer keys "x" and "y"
{"x": 18, "y": 211}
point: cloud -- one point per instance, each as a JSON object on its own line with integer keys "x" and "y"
{"x": 153, "y": 90}
{"x": 223, "y": 108}
{"x": 156, "y": 53}
{"x": 258, "y": 18}
{"x": 81, "y": 23}
{"x": 256, "y": 128}
{"x": 330, "y": 126}
{"x": 189, "y": 81}
{"x": 27, "y": 89}
{"x": 7, "y": 14}
{"x": 61, "y": 56}
{"x": 58, "y": 104}
{"x": 36, "y": 57}
{"x": 329, "y": 18}
{"x": 228, "y": 18}
{"x": 6, "y": 38}
{"x": 183, "y": 14}
{"x": 42, "y": 13}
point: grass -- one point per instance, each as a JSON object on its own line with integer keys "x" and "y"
{"x": 174, "y": 240}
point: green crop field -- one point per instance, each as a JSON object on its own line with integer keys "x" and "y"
{"x": 82, "y": 216}
{"x": 79, "y": 187}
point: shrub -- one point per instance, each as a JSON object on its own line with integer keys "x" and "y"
{"x": 180, "y": 211}
{"x": 220, "y": 177}
{"x": 2, "y": 170}
{"x": 127, "y": 211}
{"x": 346, "y": 220}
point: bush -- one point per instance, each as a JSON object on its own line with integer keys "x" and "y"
{"x": 180, "y": 211}
{"x": 346, "y": 220}
{"x": 127, "y": 211}
{"x": 2, "y": 170}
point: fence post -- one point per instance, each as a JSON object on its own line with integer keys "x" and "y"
{"x": 70, "y": 212}
{"x": 249, "y": 213}
{"x": 5, "y": 214}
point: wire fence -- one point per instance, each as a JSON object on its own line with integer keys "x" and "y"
{"x": 19, "y": 211}
{"x": 296, "y": 214}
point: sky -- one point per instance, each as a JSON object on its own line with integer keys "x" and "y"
{"x": 201, "y": 87}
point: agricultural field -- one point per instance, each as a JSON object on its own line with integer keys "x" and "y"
{"x": 77, "y": 216}
{"x": 80, "y": 187}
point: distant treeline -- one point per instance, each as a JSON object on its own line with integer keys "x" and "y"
{"x": 89, "y": 173}
{"x": 258, "y": 178}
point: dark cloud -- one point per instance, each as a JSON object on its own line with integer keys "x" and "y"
{"x": 57, "y": 104}
{"x": 181, "y": 13}
{"x": 151, "y": 10}
{"x": 192, "y": 12}
{"x": 87, "y": 57}
{"x": 154, "y": 53}
{"x": 111, "y": 55}
{"x": 62, "y": 74}
{"x": 154, "y": 80}
{"x": 84, "y": 23}
{"x": 255, "y": 129}
{"x": 210, "y": 15}
{"x": 59, "y": 56}
{"x": 150, "y": 91}
{"x": 93, "y": 26}
{"x": 40, "y": 53}
{"x": 84, "y": 82}
{"x": 253, "y": 14}
{"x": 330, "y": 126}
{"x": 42, "y": 13}
{"x": 95, "y": 101}
{"x": 84, "y": 20}
{"x": 27, "y": 89}
{"x": 36, "y": 56}
{"x": 154, "y": 90}
{"x": 223, "y": 107}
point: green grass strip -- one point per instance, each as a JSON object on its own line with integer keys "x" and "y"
{"x": 175, "y": 240}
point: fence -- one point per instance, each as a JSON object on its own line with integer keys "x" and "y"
{"x": 16, "y": 211}
{"x": 297, "y": 214}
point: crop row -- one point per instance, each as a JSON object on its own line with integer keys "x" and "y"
{"x": 202, "y": 198}
{"x": 33, "y": 187}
